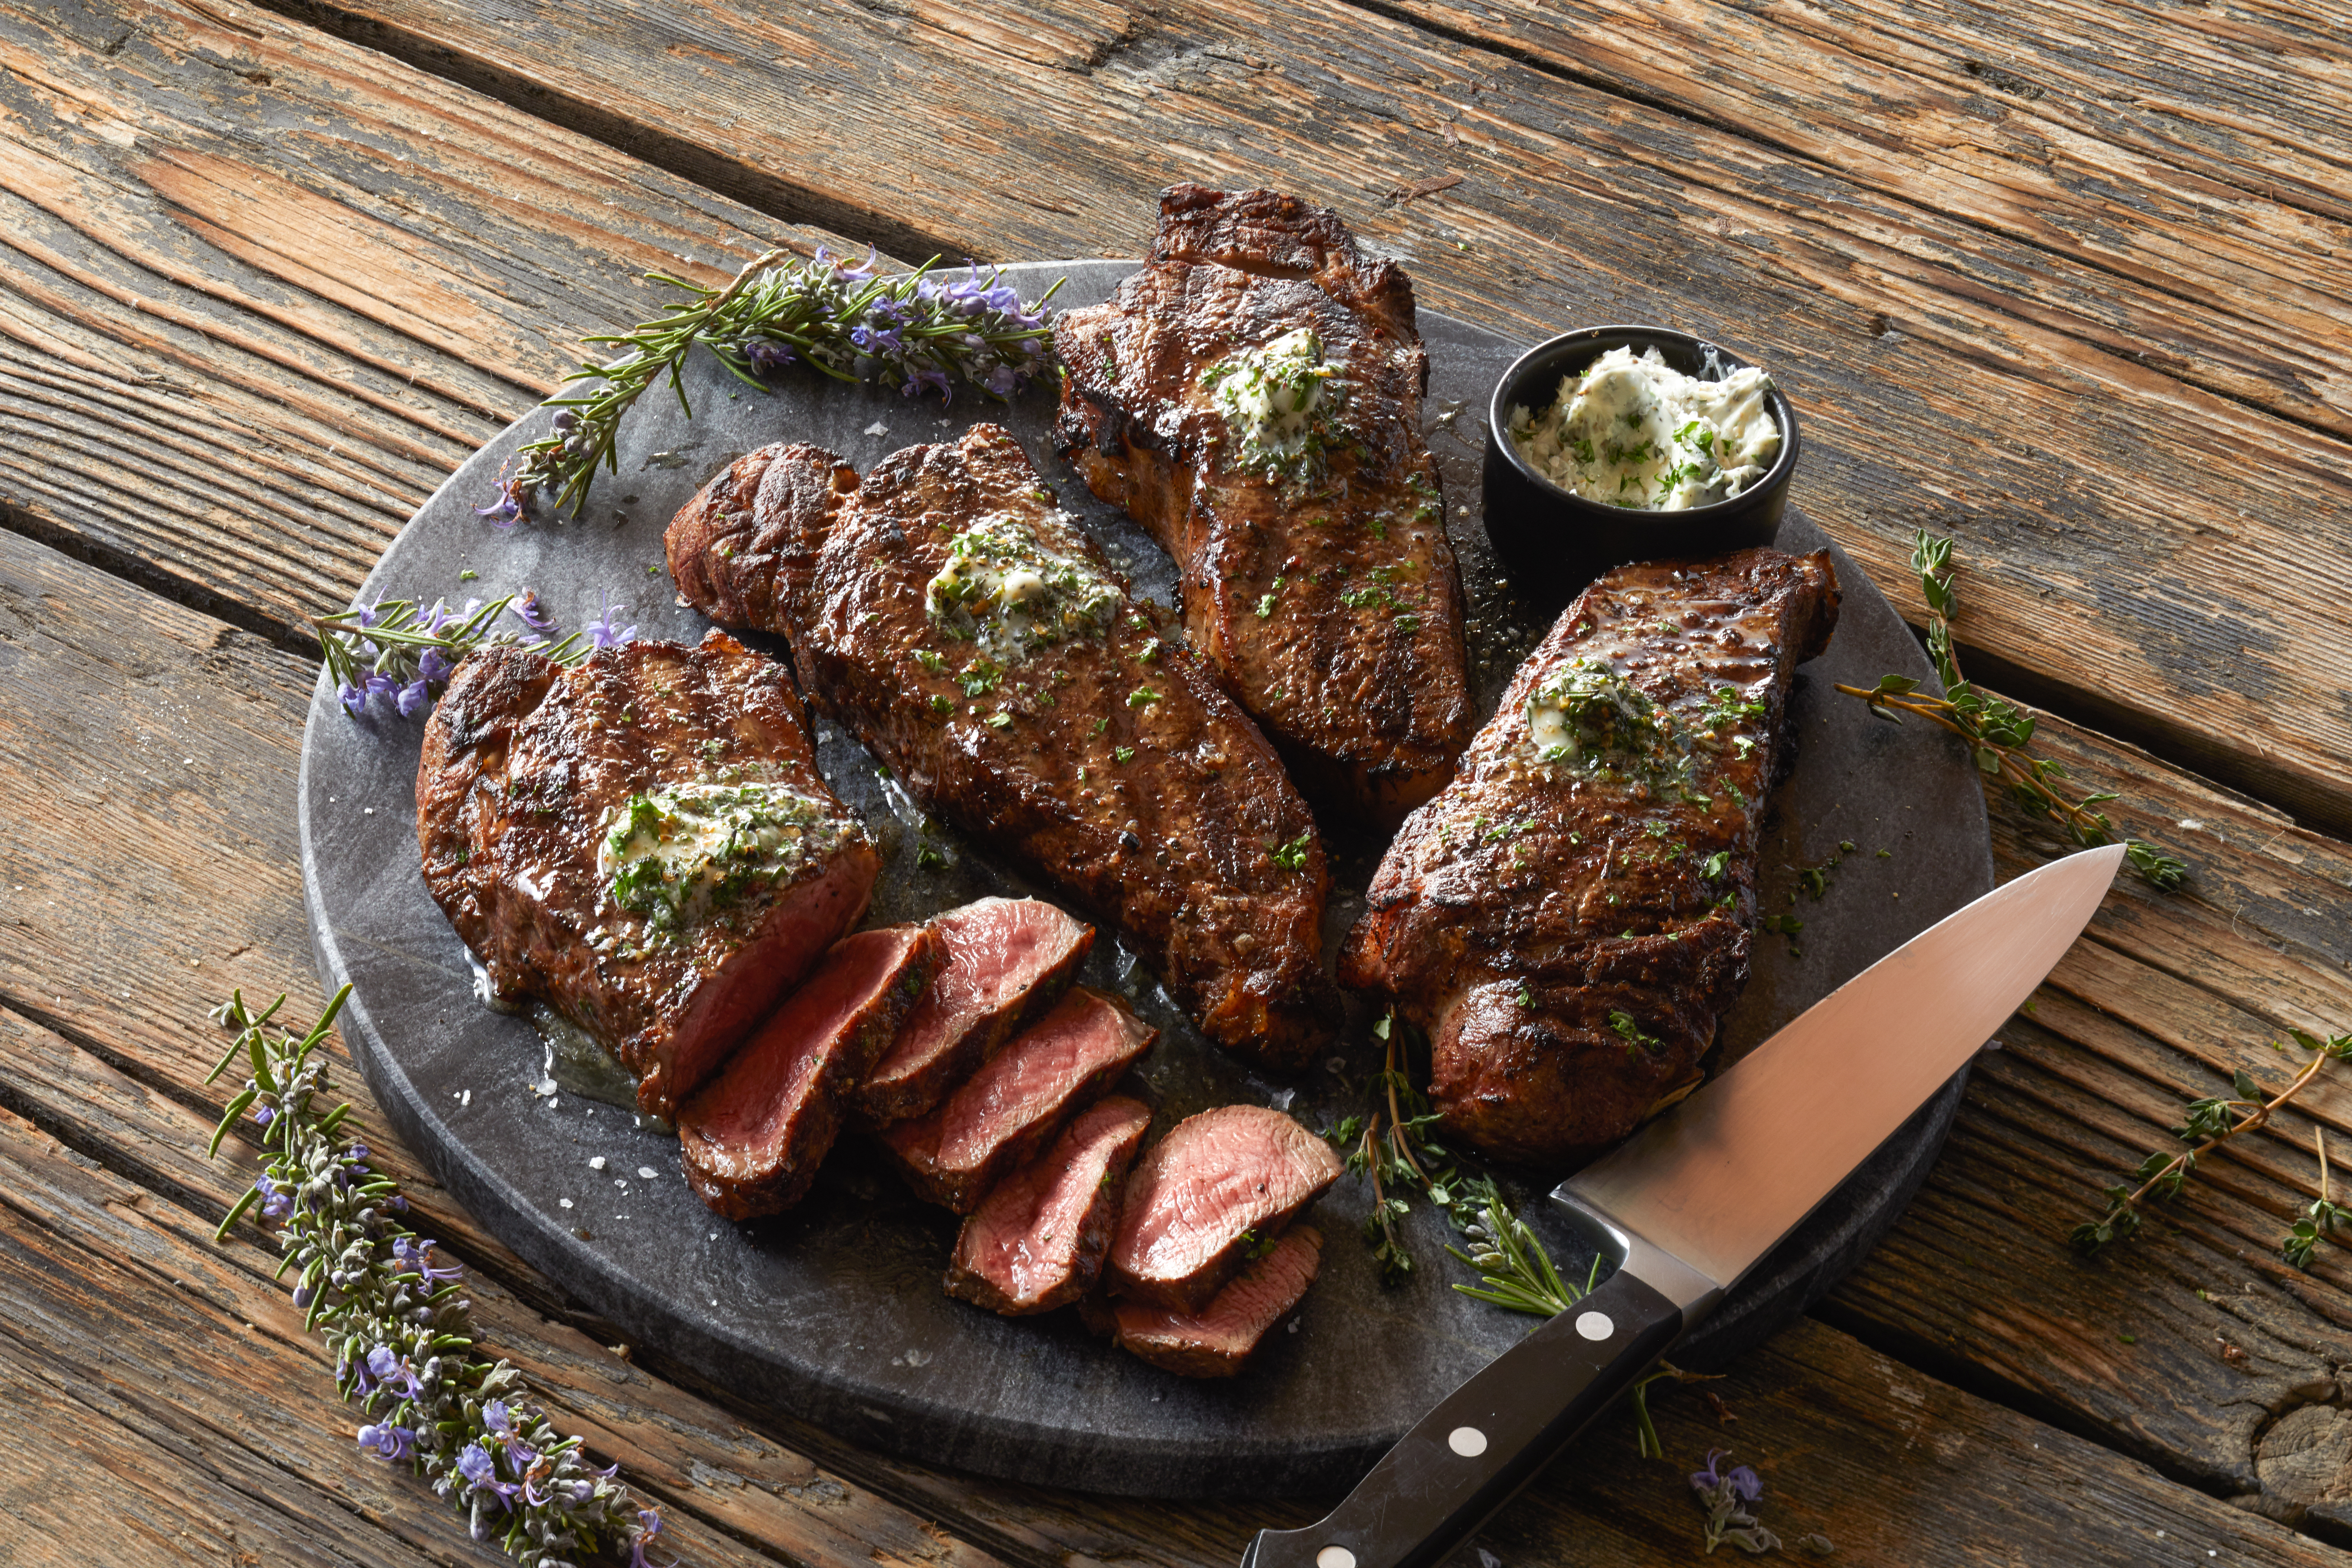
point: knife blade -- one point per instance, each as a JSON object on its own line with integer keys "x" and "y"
{"x": 1696, "y": 1198}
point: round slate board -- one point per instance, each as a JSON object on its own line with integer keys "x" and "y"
{"x": 834, "y": 1311}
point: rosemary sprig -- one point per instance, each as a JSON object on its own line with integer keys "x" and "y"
{"x": 1997, "y": 730}
{"x": 911, "y": 333}
{"x": 404, "y": 652}
{"x": 2210, "y": 1123}
{"x": 402, "y": 1336}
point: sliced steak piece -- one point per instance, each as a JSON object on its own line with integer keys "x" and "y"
{"x": 642, "y": 840}
{"x": 1217, "y": 1341}
{"x": 1253, "y": 399}
{"x": 754, "y": 1135}
{"x": 1036, "y": 1242}
{"x": 1569, "y": 919}
{"x": 1220, "y": 1184}
{"x": 1008, "y": 959}
{"x": 1013, "y": 1106}
{"x": 977, "y": 641}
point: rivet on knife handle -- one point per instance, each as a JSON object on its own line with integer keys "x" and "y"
{"x": 1489, "y": 1438}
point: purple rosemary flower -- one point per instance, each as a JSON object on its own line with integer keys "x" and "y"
{"x": 767, "y": 355}
{"x": 416, "y": 1256}
{"x": 1003, "y": 380}
{"x": 929, "y": 378}
{"x": 276, "y": 1198}
{"x": 264, "y": 1113}
{"x": 1724, "y": 1494}
{"x": 648, "y": 1526}
{"x": 882, "y": 342}
{"x": 602, "y": 632}
{"x": 481, "y": 1471}
{"x": 353, "y": 698}
{"x": 412, "y": 699}
{"x": 366, "y": 613}
{"x": 394, "y": 1372}
{"x": 527, "y": 610}
{"x": 432, "y": 667}
{"x": 507, "y": 510}
{"x": 303, "y": 1295}
{"x": 501, "y": 1421}
{"x": 387, "y": 1442}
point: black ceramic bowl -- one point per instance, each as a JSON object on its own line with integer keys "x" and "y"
{"x": 1553, "y": 542}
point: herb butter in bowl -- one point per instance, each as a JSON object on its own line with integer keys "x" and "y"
{"x": 1616, "y": 443}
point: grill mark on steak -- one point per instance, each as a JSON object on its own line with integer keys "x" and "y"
{"x": 1221, "y": 1183}
{"x": 1036, "y": 1242}
{"x": 1332, "y": 609}
{"x": 1557, "y": 935}
{"x": 1016, "y": 1104}
{"x": 754, "y": 1135}
{"x": 1119, "y": 772}
{"x": 525, "y": 764}
{"x": 1218, "y": 1341}
{"x": 1007, "y": 961}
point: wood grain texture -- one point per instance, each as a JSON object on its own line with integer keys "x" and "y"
{"x": 2189, "y": 1346}
{"x": 262, "y": 291}
{"x": 2028, "y": 362}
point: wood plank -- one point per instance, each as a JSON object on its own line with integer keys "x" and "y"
{"x": 1954, "y": 374}
{"x": 2188, "y": 1346}
{"x": 274, "y": 288}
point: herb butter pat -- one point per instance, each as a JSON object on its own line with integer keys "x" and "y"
{"x": 677, "y": 854}
{"x": 1637, "y": 433}
{"x": 1278, "y": 401}
{"x": 1004, "y": 590}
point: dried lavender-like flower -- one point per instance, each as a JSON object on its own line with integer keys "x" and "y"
{"x": 919, "y": 333}
{"x": 1726, "y": 1494}
{"x": 404, "y": 652}
{"x": 401, "y": 1333}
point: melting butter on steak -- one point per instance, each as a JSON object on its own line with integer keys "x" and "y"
{"x": 642, "y": 840}
{"x": 1569, "y": 919}
{"x": 964, "y": 629}
{"x": 1253, "y": 399}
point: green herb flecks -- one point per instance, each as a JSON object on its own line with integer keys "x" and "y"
{"x": 1292, "y": 857}
{"x": 1997, "y": 730}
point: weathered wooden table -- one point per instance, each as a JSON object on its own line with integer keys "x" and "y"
{"x": 2068, "y": 281}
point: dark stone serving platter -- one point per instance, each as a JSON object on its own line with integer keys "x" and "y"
{"x": 833, "y": 1312}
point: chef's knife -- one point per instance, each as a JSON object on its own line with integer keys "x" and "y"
{"x": 1696, "y": 1198}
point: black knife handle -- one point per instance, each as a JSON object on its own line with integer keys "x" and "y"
{"x": 1489, "y": 1438}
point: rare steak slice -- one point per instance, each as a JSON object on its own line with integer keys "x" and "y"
{"x": 978, "y": 642}
{"x": 1036, "y": 1242}
{"x": 1008, "y": 959}
{"x": 1217, "y": 1341}
{"x": 1569, "y": 919}
{"x": 1253, "y": 399}
{"x": 642, "y": 840}
{"x": 754, "y": 1135}
{"x": 1013, "y": 1106}
{"x": 1219, "y": 1186}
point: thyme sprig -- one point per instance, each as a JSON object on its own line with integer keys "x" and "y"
{"x": 2321, "y": 1218}
{"x": 1997, "y": 730}
{"x": 911, "y": 333}
{"x": 2209, "y": 1123}
{"x": 391, "y": 1313}
{"x": 404, "y": 652}
{"x": 1398, "y": 1156}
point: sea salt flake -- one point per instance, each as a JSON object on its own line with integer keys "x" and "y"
{"x": 597, "y": 1163}
{"x": 647, "y": 1173}
{"x": 877, "y": 428}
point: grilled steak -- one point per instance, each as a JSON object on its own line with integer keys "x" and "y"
{"x": 642, "y": 840}
{"x": 1220, "y": 1184}
{"x": 1036, "y": 1242}
{"x": 1253, "y": 399}
{"x": 1008, "y": 959}
{"x": 754, "y": 1135}
{"x": 1569, "y": 919}
{"x": 1217, "y": 1341}
{"x": 977, "y": 641}
{"x": 1014, "y": 1105}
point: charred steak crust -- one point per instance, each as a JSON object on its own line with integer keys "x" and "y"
{"x": 526, "y": 764}
{"x": 754, "y": 1136}
{"x": 1326, "y": 598}
{"x": 1571, "y": 929}
{"x": 1108, "y": 762}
